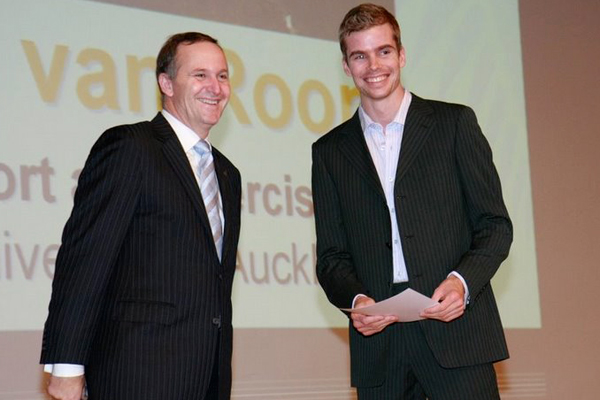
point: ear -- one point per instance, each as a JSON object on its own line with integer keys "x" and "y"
{"x": 345, "y": 66}
{"x": 402, "y": 57}
{"x": 165, "y": 84}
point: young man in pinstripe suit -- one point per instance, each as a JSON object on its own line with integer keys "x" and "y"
{"x": 406, "y": 195}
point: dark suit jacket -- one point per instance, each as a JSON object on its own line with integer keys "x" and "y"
{"x": 139, "y": 296}
{"x": 451, "y": 217}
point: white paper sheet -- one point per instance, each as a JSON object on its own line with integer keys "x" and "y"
{"x": 407, "y": 305}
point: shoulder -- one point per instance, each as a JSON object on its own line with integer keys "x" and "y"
{"x": 121, "y": 146}
{"x": 125, "y": 137}
{"x": 440, "y": 110}
{"x": 139, "y": 131}
{"x": 130, "y": 132}
{"x": 339, "y": 133}
{"x": 456, "y": 122}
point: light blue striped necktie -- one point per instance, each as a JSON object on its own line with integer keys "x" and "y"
{"x": 209, "y": 188}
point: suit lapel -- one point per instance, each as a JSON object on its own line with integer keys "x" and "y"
{"x": 416, "y": 132}
{"x": 354, "y": 147}
{"x": 176, "y": 157}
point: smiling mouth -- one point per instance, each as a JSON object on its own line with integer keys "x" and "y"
{"x": 376, "y": 79}
{"x": 210, "y": 102}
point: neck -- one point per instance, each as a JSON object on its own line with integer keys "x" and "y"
{"x": 200, "y": 130}
{"x": 384, "y": 110}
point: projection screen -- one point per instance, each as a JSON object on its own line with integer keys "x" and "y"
{"x": 78, "y": 67}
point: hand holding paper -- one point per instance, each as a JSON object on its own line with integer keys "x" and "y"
{"x": 451, "y": 297}
{"x": 407, "y": 306}
{"x": 370, "y": 324}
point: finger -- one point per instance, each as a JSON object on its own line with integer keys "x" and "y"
{"x": 374, "y": 318}
{"x": 357, "y": 317}
{"x": 449, "y": 315}
{"x": 437, "y": 295}
{"x": 382, "y": 321}
{"x": 380, "y": 325}
{"x": 367, "y": 331}
{"x": 431, "y": 314}
{"x": 366, "y": 328}
{"x": 448, "y": 309}
{"x": 361, "y": 317}
{"x": 389, "y": 321}
{"x": 365, "y": 321}
{"x": 456, "y": 313}
{"x": 438, "y": 309}
{"x": 432, "y": 310}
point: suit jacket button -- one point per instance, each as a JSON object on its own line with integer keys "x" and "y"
{"x": 217, "y": 321}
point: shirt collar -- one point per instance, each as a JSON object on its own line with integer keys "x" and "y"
{"x": 400, "y": 117}
{"x": 187, "y": 137}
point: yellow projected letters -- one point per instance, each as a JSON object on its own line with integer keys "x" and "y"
{"x": 135, "y": 67}
{"x": 99, "y": 89}
{"x": 303, "y": 100}
{"x": 47, "y": 85}
{"x": 106, "y": 78}
{"x": 260, "y": 88}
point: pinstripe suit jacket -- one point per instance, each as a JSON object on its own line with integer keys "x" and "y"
{"x": 139, "y": 295}
{"x": 451, "y": 217}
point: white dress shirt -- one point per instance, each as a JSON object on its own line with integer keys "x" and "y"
{"x": 384, "y": 145}
{"x": 188, "y": 139}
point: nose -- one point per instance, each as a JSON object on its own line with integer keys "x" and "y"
{"x": 214, "y": 85}
{"x": 373, "y": 63}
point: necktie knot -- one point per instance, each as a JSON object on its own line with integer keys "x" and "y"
{"x": 202, "y": 148}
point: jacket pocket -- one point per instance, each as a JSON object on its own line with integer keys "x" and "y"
{"x": 145, "y": 311}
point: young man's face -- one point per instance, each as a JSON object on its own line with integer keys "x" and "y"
{"x": 200, "y": 90}
{"x": 374, "y": 62}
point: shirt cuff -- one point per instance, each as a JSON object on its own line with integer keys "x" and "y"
{"x": 64, "y": 370}
{"x": 467, "y": 298}
{"x": 356, "y": 298}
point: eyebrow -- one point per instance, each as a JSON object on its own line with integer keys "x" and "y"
{"x": 378, "y": 49}
{"x": 355, "y": 52}
{"x": 208, "y": 70}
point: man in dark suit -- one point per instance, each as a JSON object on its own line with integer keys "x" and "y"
{"x": 141, "y": 297}
{"x": 406, "y": 195}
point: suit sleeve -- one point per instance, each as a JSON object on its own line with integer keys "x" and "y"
{"x": 104, "y": 205}
{"x": 335, "y": 268}
{"x": 491, "y": 225}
